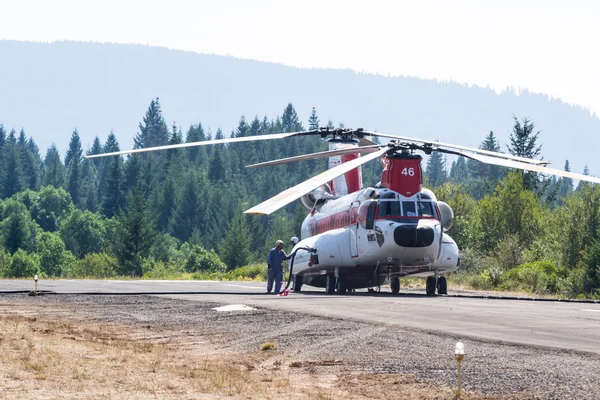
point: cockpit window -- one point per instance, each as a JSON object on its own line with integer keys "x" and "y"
{"x": 425, "y": 208}
{"x": 389, "y": 208}
{"x": 397, "y": 208}
{"x": 409, "y": 209}
{"x": 388, "y": 195}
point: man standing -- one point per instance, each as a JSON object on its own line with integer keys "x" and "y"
{"x": 274, "y": 259}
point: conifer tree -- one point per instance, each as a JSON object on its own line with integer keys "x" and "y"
{"x": 290, "y": 121}
{"x": 54, "y": 170}
{"x": 153, "y": 129}
{"x": 34, "y": 170}
{"x": 480, "y": 170}
{"x": 565, "y": 184}
{"x": 112, "y": 144}
{"x": 13, "y": 180}
{"x": 188, "y": 211}
{"x": 166, "y": 206}
{"x": 2, "y": 146}
{"x": 89, "y": 185}
{"x": 216, "y": 168}
{"x": 12, "y": 137}
{"x": 30, "y": 161}
{"x": 483, "y": 178}
{"x": 435, "y": 173}
{"x": 22, "y": 140}
{"x": 586, "y": 171}
{"x": 459, "y": 172}
{"x": 175, "y": 138}
{"x": 73, "y": 164}
{"x": 195, "y": 133}
{"x": 112, "y": 195}
{"x": 243, "y": 128}
{"x": 136, "y": 234}
{"x": 134, "y": 172}
{"x": 96, "y": 149}
{"x": 523, "y": 143}
{"x": 2, "y": 137}
{"x": 235, "y": 248}
{"x": 313, "y": 120}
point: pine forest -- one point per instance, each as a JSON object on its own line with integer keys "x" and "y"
{"x": 179, "y": 213}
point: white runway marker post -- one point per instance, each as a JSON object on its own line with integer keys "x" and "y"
{"x": 35, "y": 279}
{"x": 459, "y": 351}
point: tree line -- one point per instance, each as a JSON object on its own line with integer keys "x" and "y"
{"x": 166, "y": 207}
{"x": 182, "y": 209}
{"x": 521, "y": 230}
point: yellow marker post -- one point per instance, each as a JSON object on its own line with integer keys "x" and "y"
{"x": 459, "y": 351}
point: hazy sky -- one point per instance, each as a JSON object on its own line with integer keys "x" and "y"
{"x": 545, "y": 46}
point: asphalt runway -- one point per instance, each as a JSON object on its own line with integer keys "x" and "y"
{"x": 562, "y": 325}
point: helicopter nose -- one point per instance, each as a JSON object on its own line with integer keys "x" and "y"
{"x": 414, "y": 235}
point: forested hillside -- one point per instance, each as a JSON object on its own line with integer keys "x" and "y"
{"x": 181, "y": 211}
{"x": 50, "y": 88}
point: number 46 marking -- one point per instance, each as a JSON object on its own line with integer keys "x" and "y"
{"x": 408, "y": 172}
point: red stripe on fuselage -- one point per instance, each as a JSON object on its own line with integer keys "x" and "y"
{"x": 334, "y": 221}
{"x": 345, "y": 219}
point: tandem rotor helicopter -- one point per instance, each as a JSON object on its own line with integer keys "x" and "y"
{"x": 359, "y": 237}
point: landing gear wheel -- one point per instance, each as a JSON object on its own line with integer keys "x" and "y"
{"x": 297, "y": 283}
{"x": 330, "y": 284}
{"x": 442, "y": 286}
{"x": 430, "y": 286}
{"x": 395, "y": 285}
{"x": 342, "y": 285}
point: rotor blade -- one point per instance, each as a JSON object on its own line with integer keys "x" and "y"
{"x": 294, "y": 193}
{"x": 362, "y": 142}
{"x": 530, "y": 167}
{"x": 464, "y": 148}
{"x": 203, "y": 143}
{"x": 314, "y": 156}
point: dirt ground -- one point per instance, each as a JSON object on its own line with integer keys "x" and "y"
{"x": 56, "y": 347}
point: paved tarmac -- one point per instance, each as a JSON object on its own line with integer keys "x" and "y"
{"x": 569, "y": 326}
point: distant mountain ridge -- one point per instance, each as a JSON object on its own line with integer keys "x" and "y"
{"x": 50, "y": 89}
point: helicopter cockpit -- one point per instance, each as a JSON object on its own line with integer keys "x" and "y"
{"x": 392, "y": 206}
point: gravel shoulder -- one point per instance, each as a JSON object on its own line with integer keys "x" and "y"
{"x": 315, "y": 357}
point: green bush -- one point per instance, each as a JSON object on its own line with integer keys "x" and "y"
{"x": 540, "y": 277}
{"x": 203, "y": 260}
{"x": 591, "y": 265}
{"x": 164, "y": 248}
{"x": 249, "y": 272}
{"x": 161, "y": 270}
{"x": 95, "y": 265}
{"x": 53, "y": 255}
{"x": 22, "y": 265}
{"x": 487, "y": 279}
{"x": 207, "y": 276}
{"x": 3, "y": 259}
{"x": 507, "y": 253}
{"x": 470, "y": 260}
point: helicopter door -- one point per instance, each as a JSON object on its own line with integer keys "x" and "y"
{"x": 353, "y": 240}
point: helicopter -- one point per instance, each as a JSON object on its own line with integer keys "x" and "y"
{"x": 357, "y": 237}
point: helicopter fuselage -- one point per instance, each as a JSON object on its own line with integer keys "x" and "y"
{"x": 373, "y": 235}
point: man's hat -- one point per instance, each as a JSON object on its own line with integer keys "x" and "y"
{"x": 277, "y": 243}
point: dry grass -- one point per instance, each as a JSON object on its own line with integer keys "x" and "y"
{"x": 64, "y": 358}
{"x": 267, "y": 346}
